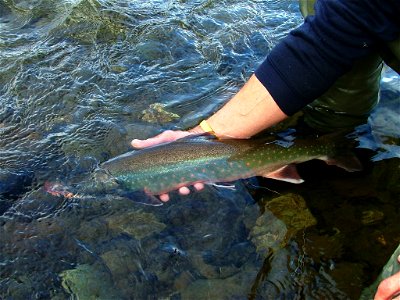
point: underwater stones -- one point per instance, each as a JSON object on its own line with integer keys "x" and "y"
{"x": 88, "y": 282}
{"x": 94, "y": 138}
{"x": 183, "y": 280}
{"x": 292, "y": 209}
{"x": 386, "y": 174}
{"x": 93, "y": 231}
{"x": 118, "y": 68}
{"x": 156, "y": 113}
{"x": 19, "y": 288}
{"x": 234, "y": 287}
{"x": 152, "y": 51}
{"x": 323, "y": 247}
{"x": 345, "y": 188}
{"x": 119, "y": 262}
{"x": 371, "y": 216}
{"x": 345, "y": 273}
{"x": 138, "y": 224}
{"x": 211, "y": 271}
{"x": 140, "y": 131}
{"x": 268, "y": 232}
{"x": 283, "y": 218}
{"x": 90, "y": 22}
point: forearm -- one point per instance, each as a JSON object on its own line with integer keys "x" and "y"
{"x": 312, "y": 57}
{"x": 249, "y": 112}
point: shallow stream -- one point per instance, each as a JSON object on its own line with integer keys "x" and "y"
{"x": 80, "y": 78}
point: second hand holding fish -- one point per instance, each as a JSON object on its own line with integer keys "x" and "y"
{"x": 166, "y": 137}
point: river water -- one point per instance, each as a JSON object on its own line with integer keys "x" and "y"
{"x": 80, "y": 78}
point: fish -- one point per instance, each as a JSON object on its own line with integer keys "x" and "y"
{"x": 201, "y": 159}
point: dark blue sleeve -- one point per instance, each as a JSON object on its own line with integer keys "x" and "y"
{"x": 312, "y": 57}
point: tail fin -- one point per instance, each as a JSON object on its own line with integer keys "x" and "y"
{"x": 350, "y": 163}
{"x": 343, "y": 156}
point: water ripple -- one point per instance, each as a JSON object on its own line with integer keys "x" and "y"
{"x": 75, "y": 79}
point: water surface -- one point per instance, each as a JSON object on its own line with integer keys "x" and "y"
{"x": 79, "y": 79}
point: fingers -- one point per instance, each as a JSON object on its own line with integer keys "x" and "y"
{"x": 199, "y": 186}
{"x": 164, "y": 137}
{"x": 389, "y": 287}
{"x": 184, "y": 190}
{"x": 164, "y": 197}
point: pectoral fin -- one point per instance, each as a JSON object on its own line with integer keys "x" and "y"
{"x": 141, "y": 197}
{"x": 287, "y": 173}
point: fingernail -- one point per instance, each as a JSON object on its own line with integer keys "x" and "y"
{"x": 135, "y": 142}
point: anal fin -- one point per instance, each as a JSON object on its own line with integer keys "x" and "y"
{"x": 287, "y": 173}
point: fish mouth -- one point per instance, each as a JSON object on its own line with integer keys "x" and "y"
{"x": 57, "y": 189}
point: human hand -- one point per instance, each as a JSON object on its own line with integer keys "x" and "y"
{"x": 389, "y": 288}
{"x": 165, "y": 137}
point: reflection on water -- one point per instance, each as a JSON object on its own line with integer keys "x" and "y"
{"x": 80, "y": 78}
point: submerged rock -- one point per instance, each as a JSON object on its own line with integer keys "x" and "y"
{"x": 98, "y": 139}
{"x": 210, "y": 271}
{"x": 345, "y": 273}
{"x": 138, "y": 224}
{"x": 386, "y": 174}
{"x": 324, "y": 247}
{"x": 283, "y": 218}
{"x": 156, "y": 113}
{"x": 293, "y": 211}
{"x": 268, "y": 233}
{"x": 371, "y": 216}
{"x": 119, "y": 262}
{"x": 90, "y": 22}
{"x": 88, "y": 282}
{"x": 234, "y": 287}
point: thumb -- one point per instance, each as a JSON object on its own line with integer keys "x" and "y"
{"x": 163, "y": 137}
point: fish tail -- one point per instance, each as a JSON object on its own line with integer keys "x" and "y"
{"x": 343, "y": 154}
{"x": 350, "y": 163}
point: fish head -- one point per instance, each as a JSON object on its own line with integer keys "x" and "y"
{"x": 102, "y": 177}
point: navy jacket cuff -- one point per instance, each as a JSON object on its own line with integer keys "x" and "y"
{"x": 284, "y": 95}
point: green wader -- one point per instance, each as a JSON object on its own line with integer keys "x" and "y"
{"x": 391, "y": 267}
{"x": 348, "y": 103}
{"x": 350, "y": 100}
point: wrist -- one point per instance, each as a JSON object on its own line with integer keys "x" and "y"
{"x": 196, "y": 130}
{"x": 203, "y": 127}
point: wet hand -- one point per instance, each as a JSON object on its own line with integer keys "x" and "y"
{"x": 166, "y": 137}
{"x": 389, "y": 288}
